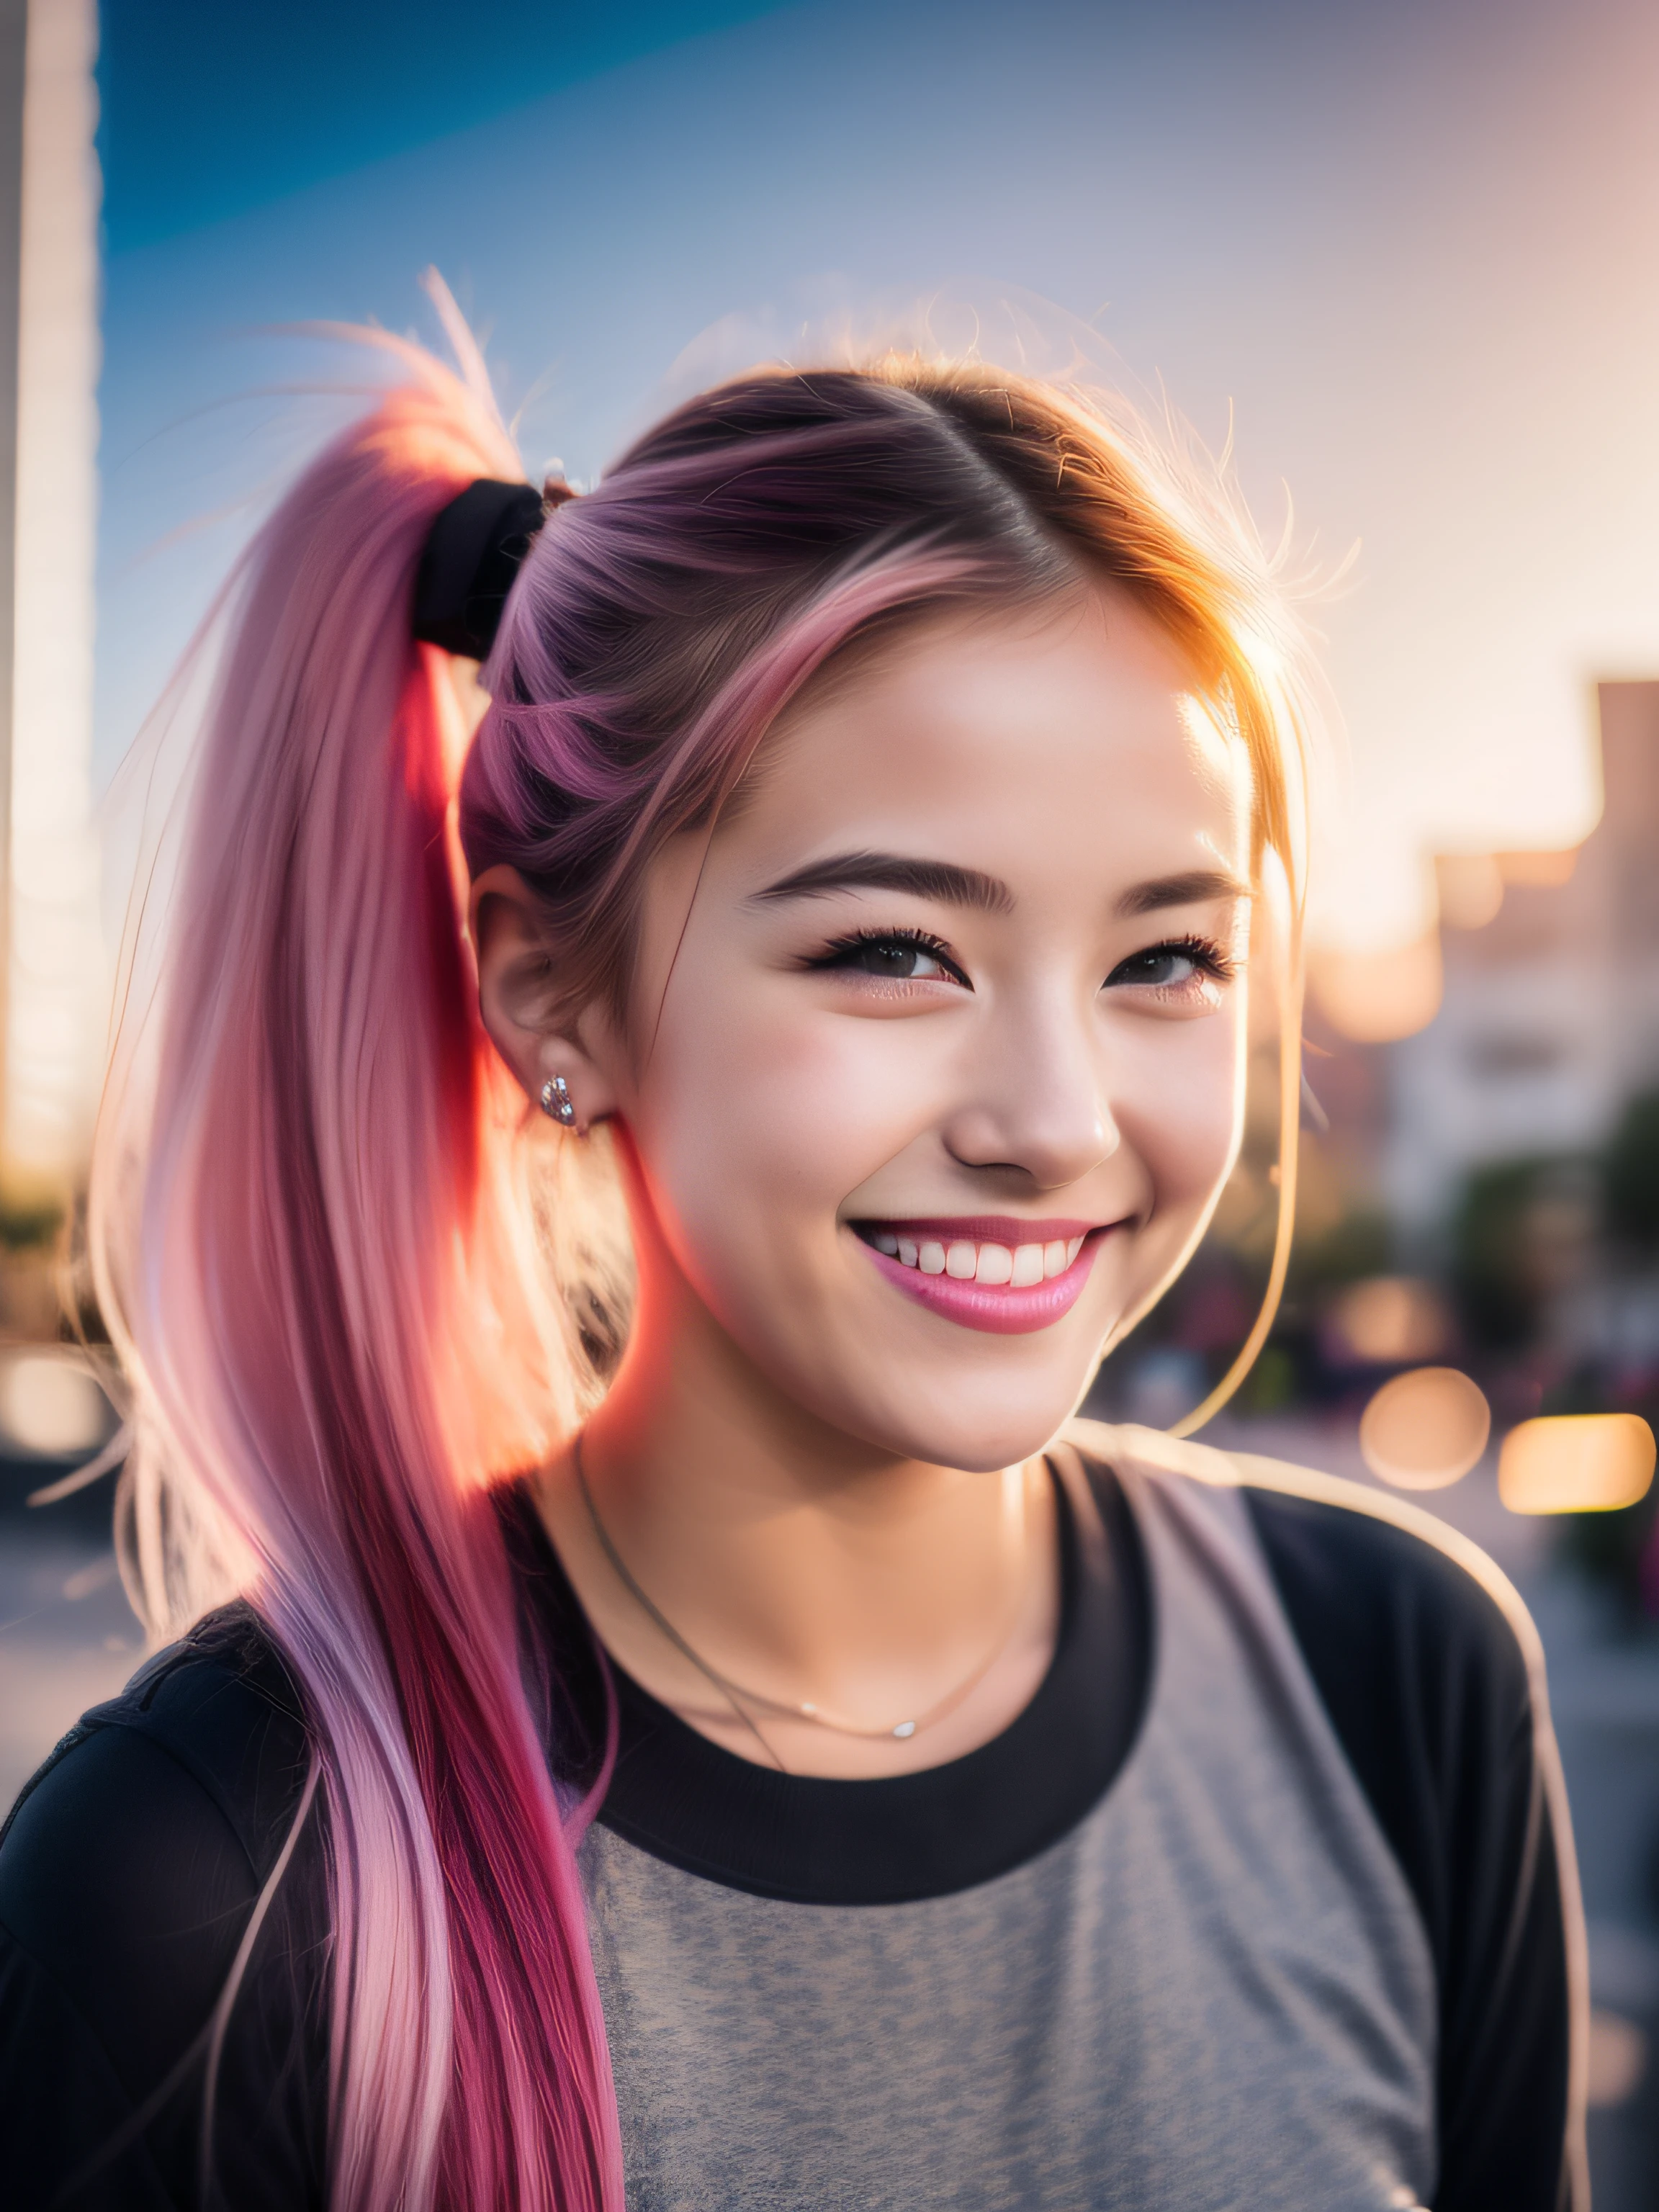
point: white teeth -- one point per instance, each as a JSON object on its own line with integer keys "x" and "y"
{"x": 1021, "y": 1266}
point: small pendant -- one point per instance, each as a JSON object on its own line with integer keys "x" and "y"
{"x": 905, "y": 1728}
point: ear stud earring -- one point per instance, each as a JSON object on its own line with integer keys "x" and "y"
{"x": 556, "y": 1102}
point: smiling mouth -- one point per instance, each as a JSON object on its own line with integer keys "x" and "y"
{"x": 991, "y": 1272}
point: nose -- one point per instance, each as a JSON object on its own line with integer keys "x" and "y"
{"x": 1033, "y": 1100}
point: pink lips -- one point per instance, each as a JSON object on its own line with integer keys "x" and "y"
{"x": 999, "y": 1309}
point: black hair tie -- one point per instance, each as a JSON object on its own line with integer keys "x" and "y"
{"x": 473, "y": 551}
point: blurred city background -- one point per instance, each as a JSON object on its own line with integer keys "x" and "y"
{"x": 1403, "y": 262}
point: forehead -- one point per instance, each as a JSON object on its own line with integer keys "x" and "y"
{"x": 1041, "y": 747}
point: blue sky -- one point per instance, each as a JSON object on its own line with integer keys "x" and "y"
{"x": 1405, "y": 253}
{"x": 210, "y": 109}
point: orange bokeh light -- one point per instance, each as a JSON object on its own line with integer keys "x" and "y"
{"x": 1575, "y": 1463}
{"x": 1425, "y": 1429}
{"x": 1392, "y": 1318}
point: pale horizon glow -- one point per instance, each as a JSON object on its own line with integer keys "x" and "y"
{"x": 56, "y": 983}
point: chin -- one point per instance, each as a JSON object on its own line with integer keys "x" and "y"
{"x": 994, "y": 1421}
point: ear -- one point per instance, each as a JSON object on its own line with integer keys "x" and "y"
{"x": 523, "y": 1008}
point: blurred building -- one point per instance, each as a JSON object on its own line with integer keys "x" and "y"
{"x": 52, "y": 990}
{"x": 1549, "y": 1014}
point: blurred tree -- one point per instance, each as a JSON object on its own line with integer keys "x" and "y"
{"x": 1615, "y": 1550}
{"x": 29, "y": 1224}
{"x": 1517, "y": 1237}
{"x": 1629, "y": 1172}
{"x": 1355, "y": 1245}
{"x": 1271, "y": 1385}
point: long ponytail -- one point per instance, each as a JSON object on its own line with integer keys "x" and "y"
{"x": 313, "y": 1242}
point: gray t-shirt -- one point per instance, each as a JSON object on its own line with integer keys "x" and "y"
{"x": 1214, "y": 1992}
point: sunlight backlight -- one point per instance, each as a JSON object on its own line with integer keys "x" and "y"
{"x": 1471, "y": 889}
{"x": 1540, "y": 872}
{"x": 1376, "y": 997}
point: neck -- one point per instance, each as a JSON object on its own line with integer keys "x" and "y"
{"x": 798, "y": 1561}
{"x": 807, "y": 1544}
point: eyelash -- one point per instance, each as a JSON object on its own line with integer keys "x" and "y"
{"x": 1203, "y": 952}
{"x": 845, "y": 948}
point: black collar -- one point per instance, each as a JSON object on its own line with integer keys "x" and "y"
{"x": 684, "y": 1799}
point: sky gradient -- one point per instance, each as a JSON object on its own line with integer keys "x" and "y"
{"x": 1408, "y": 256}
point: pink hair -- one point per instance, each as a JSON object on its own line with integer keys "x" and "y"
{"x": 318, "y": 1205}
{"x": 332, "y": 1306}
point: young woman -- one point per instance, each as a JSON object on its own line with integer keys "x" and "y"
{"x": 694, "y": 1727}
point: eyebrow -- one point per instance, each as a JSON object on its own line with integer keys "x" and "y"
{"x": 893, "y": 871}
{"x": 1195, "y": 888}
{"x": 971, "y": 887}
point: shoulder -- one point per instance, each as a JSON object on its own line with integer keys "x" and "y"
{"x": 217, "y": 1715}
{"x": 1426, "y": 1661}
{"x": 1357, "y": 1571}
{"x": 131, "y": 1861}
{"x": 1431, "y": 1674}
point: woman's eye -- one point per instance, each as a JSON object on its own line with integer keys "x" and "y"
{"x": 1171, "y": 967}
{"x": 1164, "y": 964}
{"x": 896, "y": 959}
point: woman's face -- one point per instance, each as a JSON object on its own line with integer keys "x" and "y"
{"x": 939, "y": 1052}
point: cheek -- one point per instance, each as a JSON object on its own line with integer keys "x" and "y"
{"x": 753, "y": 1123}
{"x": 1180, "y": 1108}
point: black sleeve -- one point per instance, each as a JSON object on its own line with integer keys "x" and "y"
{"x": 129, "y": 1869}
{"x": 1425, "y": 1676}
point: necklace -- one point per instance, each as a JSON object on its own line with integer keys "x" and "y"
{"x": 740, "y": 1698}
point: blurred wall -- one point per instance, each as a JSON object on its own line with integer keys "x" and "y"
{"x": 1550, "y": 1018}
